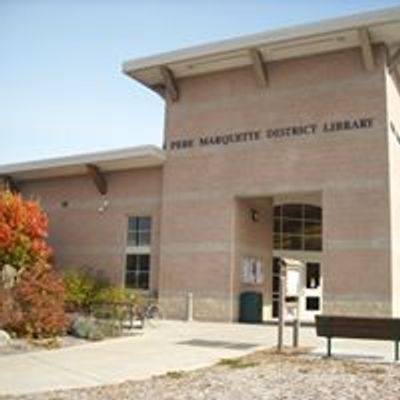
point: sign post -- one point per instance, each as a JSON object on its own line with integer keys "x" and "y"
{"x": 282, "y": 308}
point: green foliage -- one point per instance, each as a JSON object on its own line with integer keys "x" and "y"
{"x": 113, "y": 303}
{"x": 82, "y": 289}
{"x": 114, "y": 294}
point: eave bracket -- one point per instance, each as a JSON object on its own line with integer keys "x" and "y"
{"x": 98, "y": 178}
{"x": 259, "y": 67}
{"x": 170, "y": 83}
{"x": 366, "y": 49}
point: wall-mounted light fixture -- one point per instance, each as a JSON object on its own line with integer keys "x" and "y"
{"x": 254, "y": 214}
{"x": 103, "y": 206}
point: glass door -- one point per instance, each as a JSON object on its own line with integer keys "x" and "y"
{"x": 312, "y": 301}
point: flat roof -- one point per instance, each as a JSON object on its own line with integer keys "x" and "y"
{"x": 302, "y": 40}
{"x": 106, "y": 161}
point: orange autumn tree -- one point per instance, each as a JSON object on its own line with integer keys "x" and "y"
{"x": 34, "y": 305}
{"x": 23, "y": 232}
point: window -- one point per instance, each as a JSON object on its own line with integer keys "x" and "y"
{"x": 137, "y": 271}
{"x": 138, "y": 258}
{"x": 312, "y": 303}
{"x": 139, "y": 229}
{"x": 298, "y": 227}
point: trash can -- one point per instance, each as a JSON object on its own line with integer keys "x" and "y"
{"x": 251, "y": 304}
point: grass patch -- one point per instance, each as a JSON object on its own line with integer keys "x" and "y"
{"x": 236, "y": 363}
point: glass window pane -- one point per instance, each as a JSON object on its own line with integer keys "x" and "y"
{"x": 277, "y": 211}
{"x": 144, "y": 262}
{"x": 144, "y": 223}
{"x": 275, "y": 283}
{"x": 132, "y": 223}
{"x": 131, "y": 280}
{"x": 292, "y": 211}
{"x": 276, "y": 266}
{"x": 277, "y": 241}
{"x": 313, "y": 212}
{"x": 275, "y": 309}
{"x": 293, "y": 226}
{"x": 143, "y": 238}
{"x": 277, "y": 225}
{"x": 313, "y": 275}
{"x": 143, "y": 280}
{"x": 313, "y": 243}
{"x": 313, "y": 228}
{"x": 290, "y": 242}
{"x": 132, "y": 238}
{"x": 131, "y": 260}
{"x": 312, "y": 303}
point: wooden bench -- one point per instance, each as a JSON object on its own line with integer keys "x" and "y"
{"x": 332, "y": 326}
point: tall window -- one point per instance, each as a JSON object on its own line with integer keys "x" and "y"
{"x": 137, "y": 270}
{"x": 298, "y": 227}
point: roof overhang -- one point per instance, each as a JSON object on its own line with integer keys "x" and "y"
{"x": 330, "y": 35}
{"x": 108, "y": 161}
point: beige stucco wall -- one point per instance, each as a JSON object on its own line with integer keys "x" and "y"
{"x": 83, "y": 237}
{"x": 253, "y": 239}
{"x": 393, "y": 132}
{"x": 349, "y": 168}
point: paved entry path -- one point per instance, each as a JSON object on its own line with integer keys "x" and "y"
{"x": 174, "y": 346}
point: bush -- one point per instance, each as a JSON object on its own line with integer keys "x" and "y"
{"x": 31, "y": 294}
{"x": 23, "y": 232}
{"x": 114, "y": 294}
{"x": 39, "y": 293}
{"x": 82, "y": 289}
{"x": 10, "y": 312}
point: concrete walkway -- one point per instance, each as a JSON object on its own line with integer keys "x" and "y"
{"x": 174, "y": 346}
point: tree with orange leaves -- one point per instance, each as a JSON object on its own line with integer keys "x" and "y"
{"x": 32, "y": 301}
{"x": 23, "y": 232}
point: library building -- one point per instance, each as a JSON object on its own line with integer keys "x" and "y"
{"x": 279, "y": 144}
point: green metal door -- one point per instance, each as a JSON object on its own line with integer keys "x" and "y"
{"x": 250, "y": 307}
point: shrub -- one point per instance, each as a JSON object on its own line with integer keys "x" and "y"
{"x": 23, "y": 232}
{"x": 32, "y": 297}
{"x": 10, "y": 312}
{"x": 114, "y": 294}
{"x": 39, "y": 293}
{"x": 82, "y": 289}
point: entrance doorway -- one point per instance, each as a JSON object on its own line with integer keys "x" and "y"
{"x": 298, "y": 235}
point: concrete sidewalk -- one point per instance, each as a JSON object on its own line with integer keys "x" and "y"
{"x": 174, "y": 346}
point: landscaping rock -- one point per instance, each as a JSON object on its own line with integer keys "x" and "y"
{"x": 5, "y": 338}
{"x": 84, "y": 328}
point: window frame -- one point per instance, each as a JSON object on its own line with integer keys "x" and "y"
{"x": 138, "y": 248}
{"x": 303, "y": 220}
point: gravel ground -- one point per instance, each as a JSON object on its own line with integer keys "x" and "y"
{"x": 262, "y": 375}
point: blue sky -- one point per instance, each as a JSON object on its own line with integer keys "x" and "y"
{"x": 61, "y": 87}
